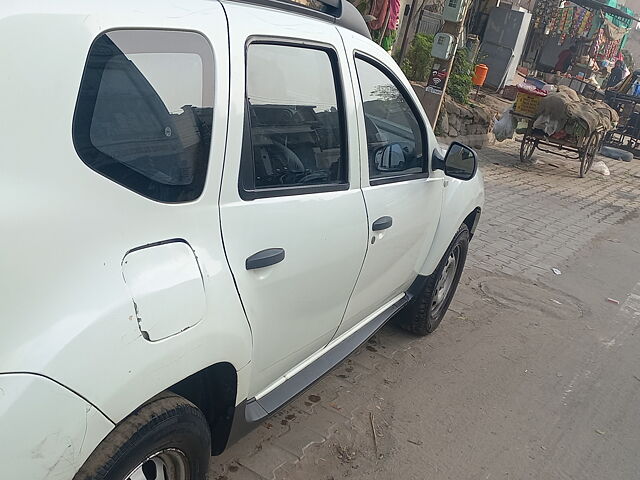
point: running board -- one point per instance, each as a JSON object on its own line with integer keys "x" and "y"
{"x": 251, "y": 412}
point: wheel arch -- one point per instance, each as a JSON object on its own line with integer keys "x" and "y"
{"x": 462, "y": 205}
{"x": 213, "y": 390}
{"x": 471, "y": 220}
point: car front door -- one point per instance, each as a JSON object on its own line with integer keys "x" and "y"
{"x": 402, "y": 196}
{"x": 293, "y": 216}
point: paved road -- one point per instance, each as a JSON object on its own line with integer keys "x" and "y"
{"x": 531, "y": 375}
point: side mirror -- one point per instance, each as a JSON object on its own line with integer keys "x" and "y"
{"x": 390, "y": 158}
{"x": 460, "y": 162}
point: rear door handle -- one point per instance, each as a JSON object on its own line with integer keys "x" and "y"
{"x": 265, "y": 258}
{"x": 382, "y": 223}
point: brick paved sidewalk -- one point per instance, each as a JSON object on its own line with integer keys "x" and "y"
{"x": 536, "y": 217}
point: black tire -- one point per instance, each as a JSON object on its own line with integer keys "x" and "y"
{"x": 167, "y": 423}
{"x": 527, "y": 147}
{"x": 589, "y": 153}
{"x": 422, "y": 316}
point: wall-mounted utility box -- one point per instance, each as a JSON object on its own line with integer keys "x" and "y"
{"x": 454, "y": 10}
{"x": 442, "y": 46}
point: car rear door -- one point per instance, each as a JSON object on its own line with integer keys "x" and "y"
{"x": 403, "y": 198}
{"x": 292, "y": 213}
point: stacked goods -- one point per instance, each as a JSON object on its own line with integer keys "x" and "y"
{"x": 567, "y": 115}
{"x": 603, "y": 46}
{"x": 543, "y": 12}
{"x": 565, "y": 23}
{"x": 578, "y": 15}
{"x": 585, "y": 25}
{"x": 571, "y": 22}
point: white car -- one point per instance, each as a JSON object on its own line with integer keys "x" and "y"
{"x": 206, "y": 205}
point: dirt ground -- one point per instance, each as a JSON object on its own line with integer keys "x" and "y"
{"x": 541, "y": 381}
{"x": 530, "y": 375}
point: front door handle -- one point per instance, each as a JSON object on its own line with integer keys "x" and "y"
{"x": 382, "y": 223}
{"x": 265, "y": 258}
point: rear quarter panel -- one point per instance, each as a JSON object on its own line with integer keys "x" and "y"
{"x": 66, "y": 311}
{"x": 47, "y": 431}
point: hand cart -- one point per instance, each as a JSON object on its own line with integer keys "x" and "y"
{"x": 584, "y": 149}
{"x": 626, "y": 136}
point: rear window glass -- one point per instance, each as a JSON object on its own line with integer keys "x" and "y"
{"x": 145, "y": 110}
{"x": 295, "y": 117}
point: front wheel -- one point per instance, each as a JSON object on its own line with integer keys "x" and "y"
{"x": 165, "y": 439}
{"x": 527, "y": 147}
{"x": 425, "y": 312}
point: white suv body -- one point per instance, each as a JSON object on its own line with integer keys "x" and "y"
{"x": 120, "y": 283}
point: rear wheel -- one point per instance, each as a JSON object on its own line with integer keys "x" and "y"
{"x": 527, "y": 147}
{"x": 589, "y": 153}
{"x": 425, "y": 312}
{"x": 165, "y": 439}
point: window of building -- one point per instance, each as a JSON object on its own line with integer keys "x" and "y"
{"x": 295, "y": 118}
{"x": 145, "y": 109}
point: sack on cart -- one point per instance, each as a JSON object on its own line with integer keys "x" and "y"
{"x": 565, "y": 110}
{"x": 505, "y": 128}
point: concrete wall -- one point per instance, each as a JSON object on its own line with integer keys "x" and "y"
{"x": 551, "y": 50}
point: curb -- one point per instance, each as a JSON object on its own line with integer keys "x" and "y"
{"x": 473, "y": 141}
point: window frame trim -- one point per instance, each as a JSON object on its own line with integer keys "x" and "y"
{"x": 401, "y": 177}
{"x": 76, "y": 111}
{"x": 246, "y": 176}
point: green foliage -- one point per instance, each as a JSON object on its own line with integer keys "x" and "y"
{"x": 418, "y": 61}
{"x": 460, "y": 84}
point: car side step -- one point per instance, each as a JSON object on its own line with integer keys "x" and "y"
{"x": 251, "y": 412}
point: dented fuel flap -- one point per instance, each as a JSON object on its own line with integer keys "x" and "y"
{"x": 166, "y": 287}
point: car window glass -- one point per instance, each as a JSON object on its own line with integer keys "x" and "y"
{"x": 394, "y": 138}
{"x": 145, "y": 111}
{"x": 294, "y": 116}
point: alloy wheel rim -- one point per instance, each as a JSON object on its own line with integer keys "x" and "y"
{"x": 529, "y": 148}
{"x": 445, "y": 282}
{"x": 168, "y": 464}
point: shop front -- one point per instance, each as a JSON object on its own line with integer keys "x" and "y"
{"x": 577, "y": 43}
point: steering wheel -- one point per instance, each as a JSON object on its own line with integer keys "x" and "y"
{"x": 293, "y": 162}
{"x": 320, "y": 176}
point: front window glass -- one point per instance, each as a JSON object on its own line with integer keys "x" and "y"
{"x": 394, "y": 138}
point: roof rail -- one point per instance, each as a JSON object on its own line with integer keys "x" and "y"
{"x": 340, "y": 12}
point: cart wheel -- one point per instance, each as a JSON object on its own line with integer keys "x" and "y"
{"x": 589, "y": 153}
{"x": 527, "y": 147}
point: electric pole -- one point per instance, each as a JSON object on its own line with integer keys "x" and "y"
{"x": 439, "y": 78}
